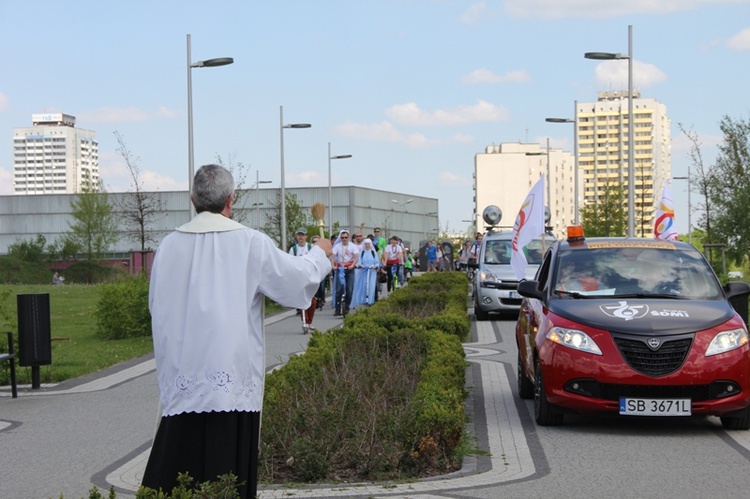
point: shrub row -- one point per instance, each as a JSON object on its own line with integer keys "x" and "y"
{"x": 380, "y": 398}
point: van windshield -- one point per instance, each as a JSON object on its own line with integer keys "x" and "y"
{"x": 497, "y": 252}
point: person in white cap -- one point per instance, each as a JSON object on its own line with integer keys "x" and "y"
{"x": 345, "y": 258}
{"x": 300, "y": 248}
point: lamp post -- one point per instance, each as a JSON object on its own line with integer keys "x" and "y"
{"x": 282, "y": 126}
{"x": 209, "y": 63}
{"x": 330, "y": 190}
{"x": 575, "y": 155}
{"x": 258, "y": 181}
{"x": 631, "y": 125}
{"x": 690, "y": 225}
{"x": 549, "y": 200}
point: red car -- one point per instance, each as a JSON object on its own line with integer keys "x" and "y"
{"x": 635, "y": 327}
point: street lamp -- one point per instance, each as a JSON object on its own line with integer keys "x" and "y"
{"x": 258, "y": 181}
{"x": 209, "y": 63}
{"x": 631, "y": 146}
{"x": 690, "y": 225}
{"x": 330, "y": 191}
{"x": 575, "y": 155}
{"x": 282, "y": 126}
{"x": 549, "y": 200}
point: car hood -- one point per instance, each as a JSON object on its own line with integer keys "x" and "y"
{"x": 643, "y": 316}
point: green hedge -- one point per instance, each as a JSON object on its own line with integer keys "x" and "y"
{"x": 380, "y": 398}
{"x": 122, "y": 310}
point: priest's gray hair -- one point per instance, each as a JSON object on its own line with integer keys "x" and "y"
{"x": 212, "y": 185}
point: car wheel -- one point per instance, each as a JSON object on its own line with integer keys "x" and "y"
{"x": 525, "y": 385}
{"x": 740, "y": 422}
{"x": 544, "y": 412}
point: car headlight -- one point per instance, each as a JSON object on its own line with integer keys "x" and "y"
{"x": 488, "y": 276}
{"x": 726, "y": 341}
{"x": 573, "y": 338}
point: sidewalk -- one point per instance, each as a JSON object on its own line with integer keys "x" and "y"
{"x": 97, "y": 431}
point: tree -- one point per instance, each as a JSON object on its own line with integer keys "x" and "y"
{"x": 240, "y": 212}
{"x": 139, "y": 208}
{"x": 701, "y": 178}
{"x": 295, "y": 217}
{"x": 94, "y": 228}
{"x": 606, "y": 217}
{"x": 730, "y": 189}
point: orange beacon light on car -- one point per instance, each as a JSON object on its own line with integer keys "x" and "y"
{"x": 575, "y": 233}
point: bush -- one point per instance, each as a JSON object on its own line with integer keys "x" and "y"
{"x": 380, "y": 398}
{"x": 90, "y": 273}
{"x": 16, "y": 271}
{"x": 29, "y": 251}
{"x": 122, "y": 310}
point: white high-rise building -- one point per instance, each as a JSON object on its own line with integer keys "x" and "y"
{"x": 53, "y": 156}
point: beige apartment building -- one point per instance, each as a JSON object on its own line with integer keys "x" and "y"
{"x": 53, "y": 156}
{"x": 603, "y": 151}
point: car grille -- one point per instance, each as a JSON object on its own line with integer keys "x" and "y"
{"x": 666, "y": 359}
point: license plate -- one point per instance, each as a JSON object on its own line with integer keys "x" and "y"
{"x": 513, "y": 294}
{"x": 655, "y": 407}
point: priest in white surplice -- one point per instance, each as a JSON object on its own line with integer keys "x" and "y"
{"x": 207, "y": 286}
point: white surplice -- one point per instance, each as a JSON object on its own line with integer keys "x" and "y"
{"x": 206, "y": 293}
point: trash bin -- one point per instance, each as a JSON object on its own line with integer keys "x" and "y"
{"x": 34, "y": 336}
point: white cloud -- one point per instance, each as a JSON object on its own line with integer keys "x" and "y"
{"x": 116, "y": 176}
{"x": 602, "y": 9}
{"x": 305, "y": 178}
{"x": 613, "y": 75}
{"x": 461, "y": 138}
{"x": 475, "y": 14}
{"x": 4, "y": 102}
{"x": 383, "y": 132}
{"x": 453, "y": 180}
{"x": 125, "y": 114}
{"x": 411, "y": 114}
{"x": 740, "y": 41}
{"x": 485, "y": 75}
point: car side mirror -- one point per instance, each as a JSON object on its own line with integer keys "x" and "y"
{"x": 530, "y": 289}
{"x": 473, "y": 265}
{"x": 737, "y": 295}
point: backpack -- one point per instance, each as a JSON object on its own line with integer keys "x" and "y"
{"x": 309, "y": 245}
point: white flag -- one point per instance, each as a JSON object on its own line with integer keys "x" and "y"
{"x": 664, "y": 226}
{"x": 529, "y": 224}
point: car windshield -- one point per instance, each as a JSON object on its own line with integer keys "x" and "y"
{"x": 641, "y": 271}
{"x": 497, "y": 252}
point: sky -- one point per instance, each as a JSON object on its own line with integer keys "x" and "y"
{"x": 412, "y": 89}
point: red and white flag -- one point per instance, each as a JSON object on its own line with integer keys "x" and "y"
{"x": 664, "y": 226}
{"x": 529, "y": 224}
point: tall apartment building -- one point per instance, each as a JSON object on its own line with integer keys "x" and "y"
{"x": 603, "y": 151}
{"x": 53, "y": 156}
{"x": 504, "y": 174}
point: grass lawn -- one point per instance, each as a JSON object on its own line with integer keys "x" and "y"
{"x": 76, "y": 348}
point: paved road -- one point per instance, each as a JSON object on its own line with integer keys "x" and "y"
{"x": 97, "y": 432}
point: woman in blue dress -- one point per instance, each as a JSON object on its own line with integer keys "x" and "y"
{"x": 366, "y": 277}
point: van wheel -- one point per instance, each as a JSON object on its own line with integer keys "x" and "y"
{"x": 480, "y": 314}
